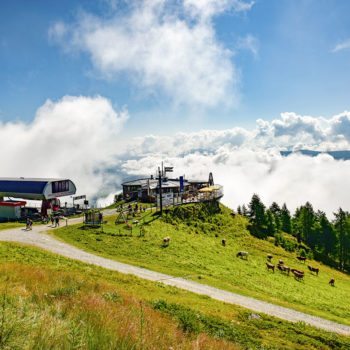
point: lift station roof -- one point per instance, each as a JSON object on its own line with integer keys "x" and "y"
{"x": 35, "y": 188}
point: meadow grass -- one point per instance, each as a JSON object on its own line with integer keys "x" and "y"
{"x": 9, "y": 225}
{"x": 50, "y": 302}
{"x": 196, "y": 251}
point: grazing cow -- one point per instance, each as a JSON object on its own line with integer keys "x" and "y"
{"x": 166, "y": 241}
{"x": 301, "y": 258}
{"x": 280, "y": 262}
{"x": 298, "y": 275}
{"x": 242, "y": 255}
{"x": 313, "y": 269}
{"x": 283, "y": 268}
{"x": 269, "y": 257}
{"x": 270, "y": 267}
{"x": 331, "y": 282}
{"x": 223, "y": 242}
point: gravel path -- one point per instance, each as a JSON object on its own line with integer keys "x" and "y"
{"x": 37, "y": 237}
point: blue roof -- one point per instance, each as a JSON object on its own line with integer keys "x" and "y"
{"x": 15, "y": 186}
{"x": 36, "y": 187}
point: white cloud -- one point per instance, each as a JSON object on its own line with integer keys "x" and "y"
{"x": 290, "y": 131}
{"x": 294, "y": 179}
{"x": 340, "y": 126}
{"x": 249, "y": 161}
{"x": 344, "y": 45}
{"x": 249, "y": 43}
{"x": 167, "y": 47}
{"x": 75, "y": 137}
{"x": 207, "y": 8}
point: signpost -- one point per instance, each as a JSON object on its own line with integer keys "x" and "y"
{"x": 167, "y": 199}
{"x": 75, "y": 198}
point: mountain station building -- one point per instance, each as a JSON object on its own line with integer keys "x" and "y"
{"x": 174, "y": 190}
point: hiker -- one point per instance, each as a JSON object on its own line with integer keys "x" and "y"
{"x": 27, "y": 224}
{"x": 30, "y": 224}
{"x": 52, "y": 220}
{"x": 100, "y": 217}
{"x": 57, "y": 221}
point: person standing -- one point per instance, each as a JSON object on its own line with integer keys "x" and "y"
{"x": 27, "y": 224}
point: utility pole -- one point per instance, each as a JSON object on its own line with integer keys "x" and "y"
{"x": 160, "y": 190}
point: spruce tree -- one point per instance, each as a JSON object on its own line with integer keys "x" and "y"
{"x": 286, "y": 223}
{"x": 270, "y": 223}
{"x": 276, "y": 212}
{"x": 342, "y": 227}
{"x": 327, "y": 236}
{"x": 257, "y": 217}
{"x": 303, "y": 224}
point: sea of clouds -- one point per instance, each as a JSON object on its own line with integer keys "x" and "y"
{"x": 80, "y": 138}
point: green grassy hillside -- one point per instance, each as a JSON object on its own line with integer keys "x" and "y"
{"x": 50, "y": 302}
{"x": 196, "y": 251}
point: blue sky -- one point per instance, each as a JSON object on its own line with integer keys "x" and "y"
{"x": 289, "y": 64}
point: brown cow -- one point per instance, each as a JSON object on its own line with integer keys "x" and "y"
{"x": 223, "y": 242}
{"x": 331, "y": 282}
{"x": 269, "y": 257}
{"x": 313, "y": 269}
{"x": 283, "y": 268}
{"x": 301, "y": 258}
{"x": 298, "y": 275}
{"x": 270, "y": 266}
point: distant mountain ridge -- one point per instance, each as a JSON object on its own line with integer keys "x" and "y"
{"x": 339, "y": 155}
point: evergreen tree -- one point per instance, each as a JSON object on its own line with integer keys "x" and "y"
{"x": 239, "y": 210}
{"x": 276, "y": 212}
{"x": 244, "y": 210}
{"x": 341, "y": 224}
{"x": 304, "y": 224}
{"x": 347, "y": 245}
{"x": 256, "y": 214}
{"x": 270, "y": 223}
{"x": 286, "y": 222}
{"x": 327, "y": 236}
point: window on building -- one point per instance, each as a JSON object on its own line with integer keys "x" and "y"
{"x": 60, "y": 186}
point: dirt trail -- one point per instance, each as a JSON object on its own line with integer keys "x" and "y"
{"x": 38, "y": 237}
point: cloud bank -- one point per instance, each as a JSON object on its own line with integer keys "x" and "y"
{"x": 249, "y": 161}
{"x": 78, "y": 137}
{"x": 166, "y": 47}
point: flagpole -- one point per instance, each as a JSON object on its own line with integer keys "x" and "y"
{"x": 160, "y": 190}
